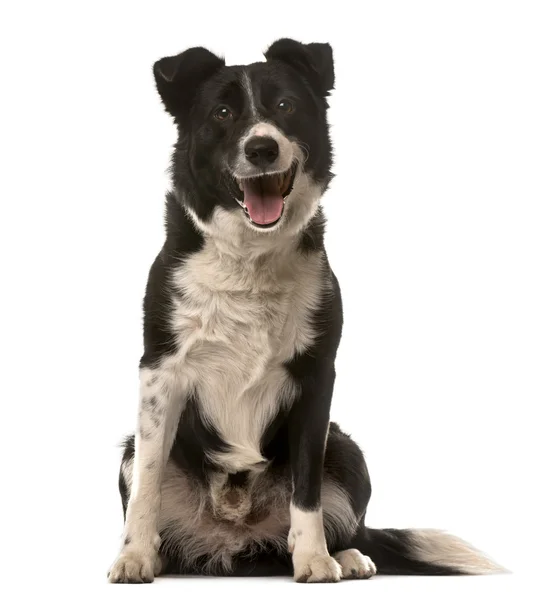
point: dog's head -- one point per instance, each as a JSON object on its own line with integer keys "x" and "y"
{"x": 253, "y": 151}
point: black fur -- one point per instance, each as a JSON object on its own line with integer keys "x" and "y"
{"x": 344, "y": 463}
{"x": 202, "y": 82}
{"x": 194, "y": 441}
{"x": 298, "y": 444}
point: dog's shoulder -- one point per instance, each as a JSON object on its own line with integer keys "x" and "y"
{"x": 182, "y": 240}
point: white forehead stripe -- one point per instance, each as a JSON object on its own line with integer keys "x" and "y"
{"x": 249, "y": 90}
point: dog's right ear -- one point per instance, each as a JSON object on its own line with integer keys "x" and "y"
{"x": 177, "y": 77}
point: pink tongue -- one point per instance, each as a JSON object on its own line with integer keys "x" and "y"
{"x": 264, "y": 202}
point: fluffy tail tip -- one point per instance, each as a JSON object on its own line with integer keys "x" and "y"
{"x": 443, "y": 549}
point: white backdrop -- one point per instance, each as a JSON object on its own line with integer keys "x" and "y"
{"x": 442, "y": 222}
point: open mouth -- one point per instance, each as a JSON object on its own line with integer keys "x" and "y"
{"x": 264, "y": 197}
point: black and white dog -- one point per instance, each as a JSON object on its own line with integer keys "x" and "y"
{"x": 235, "y": 467}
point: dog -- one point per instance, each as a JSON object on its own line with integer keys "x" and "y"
{"x": 235, "y": 467}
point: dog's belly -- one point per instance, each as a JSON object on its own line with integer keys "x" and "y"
{"x": 193, "y": 527}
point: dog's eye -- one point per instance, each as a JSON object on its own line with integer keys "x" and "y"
{"x": 222, "y": 113}
{"x": 285, "y": 105}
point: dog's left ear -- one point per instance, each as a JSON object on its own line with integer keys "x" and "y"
{"x": 314, "y": 61}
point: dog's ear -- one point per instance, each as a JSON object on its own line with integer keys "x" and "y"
{"x": 177, "y": 77}
{"x": 314, "y": 61}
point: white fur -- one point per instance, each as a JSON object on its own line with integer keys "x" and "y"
{"x": 440, "y": 548}
{"x": 158, "y": 417}
{"x": 242, "y": 308}
{"x": 307, "y": 543}
{"x": 339, "y": 518}
{"x": 287, "y": 150}
{"x": 355, "y": 565}
{"x": 232, "y": 231}
{"x": 236, "y": 322}
{"x": 248, "y": 87}
{"x": 192, "y": 525}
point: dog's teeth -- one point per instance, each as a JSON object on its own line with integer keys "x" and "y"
{"x": 240, "y": 186}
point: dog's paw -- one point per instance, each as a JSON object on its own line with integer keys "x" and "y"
{"x": 318, "y": 568}
{"x": 135, "y": 567}
{"x": 355, "y": 565}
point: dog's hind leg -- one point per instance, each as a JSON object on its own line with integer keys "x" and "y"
{"x": 345, "y": 494}
{"x": 393, "y": 551}
{"x": 160, "y": 407}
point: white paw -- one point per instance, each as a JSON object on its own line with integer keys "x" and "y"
{"x": 355, "y": 565}
{"x": 135, "y": 567}
{"x": 318, "y": 568}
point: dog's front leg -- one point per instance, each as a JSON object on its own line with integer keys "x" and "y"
{"x": 308, "y": 430}
{"x": 159, "y": 410}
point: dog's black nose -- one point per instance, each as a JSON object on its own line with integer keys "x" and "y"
{"x": 261, "y": 151}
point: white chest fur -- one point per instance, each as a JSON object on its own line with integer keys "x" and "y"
{"x": 237, "y": 320}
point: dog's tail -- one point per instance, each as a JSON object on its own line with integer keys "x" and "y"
{"x": 422, "y": 552}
